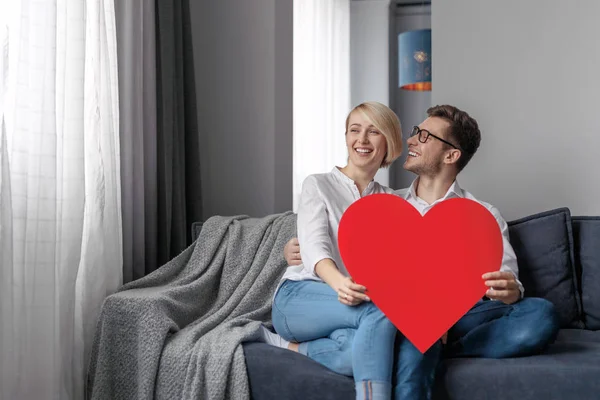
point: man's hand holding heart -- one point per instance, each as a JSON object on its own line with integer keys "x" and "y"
{"x": 502, "y": 286}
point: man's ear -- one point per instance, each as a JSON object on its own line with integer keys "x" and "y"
{"x": 452, "y": 156}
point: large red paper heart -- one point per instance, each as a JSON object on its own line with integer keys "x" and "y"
{"x": 423, "y": 272}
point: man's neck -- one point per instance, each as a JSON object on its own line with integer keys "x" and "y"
{"x": 431, "y": 189}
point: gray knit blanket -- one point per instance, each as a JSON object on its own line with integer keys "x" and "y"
{"x": 177, "y": 333}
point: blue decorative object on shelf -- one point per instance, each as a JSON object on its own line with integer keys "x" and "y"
{"x": 414, "y": 60}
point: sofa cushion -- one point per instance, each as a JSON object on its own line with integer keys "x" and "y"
{"x": 568, "y": 369}
{"x": 578, "y": 335}
{"x": 276, "y": 373}
{"x": 543, "y": 244}
{"x": 586, "y": 232}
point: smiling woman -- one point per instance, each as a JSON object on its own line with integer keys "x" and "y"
{"x": 374, "y": 122}
{"x": 319, "y": 297}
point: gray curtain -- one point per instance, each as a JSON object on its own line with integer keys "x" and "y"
{"x": 136, "y": 47}
{"x": 160, "y": 173}
{"x": 179, "y": 189}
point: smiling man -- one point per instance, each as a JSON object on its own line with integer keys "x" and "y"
{"x": 438, "y": 150}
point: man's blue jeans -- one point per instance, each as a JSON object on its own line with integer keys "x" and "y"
{"x": 492, "y": 329}
{"x": 309, "y": 310}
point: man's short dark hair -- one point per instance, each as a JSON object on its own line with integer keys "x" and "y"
{"x": 463, "y": 131}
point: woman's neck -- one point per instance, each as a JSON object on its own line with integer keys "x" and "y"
{"x": 361, "y": 177}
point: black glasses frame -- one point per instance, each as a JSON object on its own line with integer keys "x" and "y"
{"x": 418, "y": 131}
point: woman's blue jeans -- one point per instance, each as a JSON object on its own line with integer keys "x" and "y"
{"x": 413, "y": 374}
{"x": 308, "y": 310}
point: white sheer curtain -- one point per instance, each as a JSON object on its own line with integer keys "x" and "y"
{"x": 60, "y": 222}
{"x": 321, "y": 87}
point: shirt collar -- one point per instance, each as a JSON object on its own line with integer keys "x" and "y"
{"x": 453, "y": 191}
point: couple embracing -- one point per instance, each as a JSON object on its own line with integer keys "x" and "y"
{"x": 321, "y": 312}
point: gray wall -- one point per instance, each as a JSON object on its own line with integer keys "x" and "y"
{"x": 528, "y": 72}
{"x": 243, "y": 62}
{"x": 369, "y": 56}
{"x": 410, "y": 106}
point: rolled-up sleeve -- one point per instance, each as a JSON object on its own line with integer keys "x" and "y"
{"x": 313, "y": 226}
{"x": 509, "y": 258}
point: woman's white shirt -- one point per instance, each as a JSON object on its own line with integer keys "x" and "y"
{"x": 323, "y": 201}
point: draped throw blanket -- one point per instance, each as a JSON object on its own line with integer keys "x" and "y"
{"x": 177, "y": 333}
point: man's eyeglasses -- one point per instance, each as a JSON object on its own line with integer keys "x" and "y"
{"x": 424, "y": 135}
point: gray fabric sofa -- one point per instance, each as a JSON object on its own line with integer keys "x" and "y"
{"x": 559, "y": 260}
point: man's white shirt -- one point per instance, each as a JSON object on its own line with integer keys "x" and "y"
{"x": 509, "y": 258}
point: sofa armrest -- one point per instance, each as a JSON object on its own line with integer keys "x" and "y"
{"x": 196, "y": 228}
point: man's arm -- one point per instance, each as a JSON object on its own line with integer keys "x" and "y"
{"x": 504, "y": 284}
{"x": 291, "y": 252}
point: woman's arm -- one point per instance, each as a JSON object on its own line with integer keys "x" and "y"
{"x": 317, "y": 248}
{"x": 349, "y": 293}
{"x": 327, "y": 270}
{"x": 313, "y": 227}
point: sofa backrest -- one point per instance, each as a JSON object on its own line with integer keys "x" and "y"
{"x": 543, "y": 244}
{"x": 559, "y": 260}
{"x": 196, "y": 228}
{"x": 586, "y": 235}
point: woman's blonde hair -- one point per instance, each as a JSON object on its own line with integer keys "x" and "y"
{"x": 385, "y": 121}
